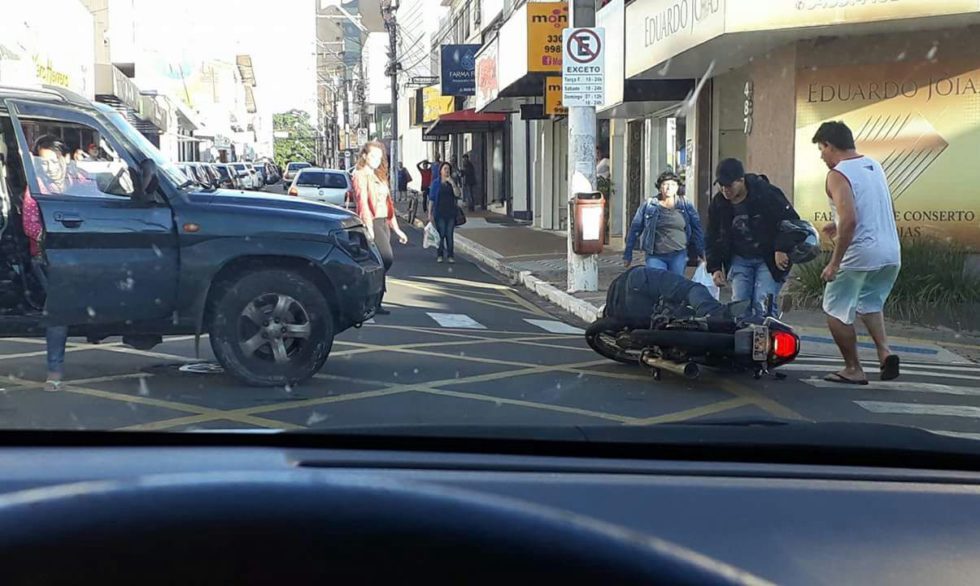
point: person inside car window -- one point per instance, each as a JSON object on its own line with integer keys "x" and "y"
{"x": 53, "y": 170}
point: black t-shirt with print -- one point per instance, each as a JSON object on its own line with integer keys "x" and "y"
{"x": 744, "y": 241}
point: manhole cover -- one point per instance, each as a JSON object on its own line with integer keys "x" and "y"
{"x": 202, "y": 368}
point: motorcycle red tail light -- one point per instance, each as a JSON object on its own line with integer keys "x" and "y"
{"x": 785, "y": 345}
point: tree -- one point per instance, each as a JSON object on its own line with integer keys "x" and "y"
{"x": 299, "y": 142}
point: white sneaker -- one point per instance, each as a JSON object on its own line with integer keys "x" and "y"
{"x": 439, "y": 259}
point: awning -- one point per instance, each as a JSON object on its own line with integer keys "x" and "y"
{"x": 466, "y": 121}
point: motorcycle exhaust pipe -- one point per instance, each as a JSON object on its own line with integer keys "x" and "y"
{"x": 689, "y": 370}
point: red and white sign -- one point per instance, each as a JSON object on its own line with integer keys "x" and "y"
{"x": 583, "y": 66}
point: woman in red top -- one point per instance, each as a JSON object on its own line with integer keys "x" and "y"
{"x": 374, "y": 203}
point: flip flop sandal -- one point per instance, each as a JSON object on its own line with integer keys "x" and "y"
{"x": 890, "y": 368}
{"x": 838, "y": 378}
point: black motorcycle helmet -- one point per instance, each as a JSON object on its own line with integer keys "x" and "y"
{"x": 804, "y": 238}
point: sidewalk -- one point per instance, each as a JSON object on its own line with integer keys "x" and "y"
{"x": 536, "y": 259}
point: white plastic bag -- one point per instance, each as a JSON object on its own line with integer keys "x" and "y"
{"x": 702, "y": 277}
{"x": 431, "y": 236}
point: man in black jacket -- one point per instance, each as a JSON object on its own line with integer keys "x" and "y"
{"x": 743, "y": 243}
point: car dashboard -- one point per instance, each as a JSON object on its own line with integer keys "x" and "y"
{"x": 785, "y": 523}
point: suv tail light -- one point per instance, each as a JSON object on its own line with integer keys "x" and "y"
{"x": 293, "y": 190}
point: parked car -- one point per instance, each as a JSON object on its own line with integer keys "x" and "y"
{"x": 260, "y": 173}
{"x": 271, "y": 279}
{"x": 271, "y": 175}
{"x": 290, "y": 173}
{"x": 323, "y": 185}
{"x": 202, "y": 174}
{"x": 246, "y": 180}
{"x": 193, "y": 174}
{"x": 228, "y": 175}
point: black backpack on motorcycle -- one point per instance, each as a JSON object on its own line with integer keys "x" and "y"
{"x": 640, "y": 292}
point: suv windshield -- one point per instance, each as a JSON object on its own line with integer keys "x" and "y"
{"x": 295, "y": 166}
{"x": 321, "y": 179}
{"x": 143, "y": 146}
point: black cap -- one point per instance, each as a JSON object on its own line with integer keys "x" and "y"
{"x": 729, "y": 171}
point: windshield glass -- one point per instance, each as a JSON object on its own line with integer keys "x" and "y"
{"x": 143, "y": 146}
{"x": 741, "y": 212}
{"x": 321, "y": 179}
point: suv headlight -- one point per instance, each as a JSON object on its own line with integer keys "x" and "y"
{"x": 354, "y": 242}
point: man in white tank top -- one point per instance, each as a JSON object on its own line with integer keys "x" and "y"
{"x": 867, "y": 254}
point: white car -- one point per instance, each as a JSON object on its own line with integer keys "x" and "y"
{"x": 290, "y": 172}
{"x": 246, "y": 178}
{"x": 323, "y": 185}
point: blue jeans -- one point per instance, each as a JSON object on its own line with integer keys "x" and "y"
{"x": 751, "y": 280}
{"x": 468, "y": 197}
{"x": 446, "y": 227}
{"x": 675, "y": 262}
{"x": 55, "y": 336}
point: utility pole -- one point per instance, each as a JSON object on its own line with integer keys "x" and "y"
{"x": 583, "y": 270}
{"x": 388, "y": 9}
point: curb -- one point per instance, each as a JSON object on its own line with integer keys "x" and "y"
{"x": 580, "y": 308}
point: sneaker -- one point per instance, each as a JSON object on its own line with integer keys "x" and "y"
{"x": 452, "y": 260}
{"x": 382, "y": 311}
{"x": 439, "y": 259}
{"x": 53, "y": 386}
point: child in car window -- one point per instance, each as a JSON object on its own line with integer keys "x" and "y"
{"x": 56, "y": 335}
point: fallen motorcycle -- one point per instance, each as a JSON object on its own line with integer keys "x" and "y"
{"x": 665, "y": 322}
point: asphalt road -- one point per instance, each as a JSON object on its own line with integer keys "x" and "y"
{"x": 460, "y": 347}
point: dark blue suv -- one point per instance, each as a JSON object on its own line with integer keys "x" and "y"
{"x": 133, "y": 248}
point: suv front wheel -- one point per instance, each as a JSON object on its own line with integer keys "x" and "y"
{"x": 271, "y": 328}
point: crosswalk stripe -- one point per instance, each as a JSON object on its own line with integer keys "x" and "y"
{"x": 900, "y": 386}
{"x": 936, "y": 366}
{"x": 905, "y": 371}
{"x": 456, "y": 320}
{"x": 895, "y": 408}
{"x": 554, "y": 326}
{"x": 959, "y": 434}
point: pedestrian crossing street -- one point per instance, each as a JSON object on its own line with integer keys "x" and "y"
{"x": 941, "y": 398}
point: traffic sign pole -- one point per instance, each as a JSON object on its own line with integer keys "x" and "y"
{"x": 583, "y": 270}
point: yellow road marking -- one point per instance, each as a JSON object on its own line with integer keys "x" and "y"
{"x": 761, "y": 401}
{"x": 237, "y": 414}
{"x": 135, "y": 352}
{"x": 465, "y": 283}
{"x": 525, "y": 303}
{"x": 460, "y": 332}
{"x": 701, "y": 411}
{"x": 74, "y": 388}
{"x": 389, "y": 389}
{"x": 364, "y": 348}
{"x": 527, "y": 404}
{"x": 464, "y": 297}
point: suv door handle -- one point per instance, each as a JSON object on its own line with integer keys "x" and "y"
{"x": 69, "y": 220}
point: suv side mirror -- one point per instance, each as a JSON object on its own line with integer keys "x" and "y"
{"x": 149, "y": 181}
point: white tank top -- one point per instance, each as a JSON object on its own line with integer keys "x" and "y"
{"x": 876, "y": 242}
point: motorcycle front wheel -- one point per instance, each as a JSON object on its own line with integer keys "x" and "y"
{"x": 601, "y": 337}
